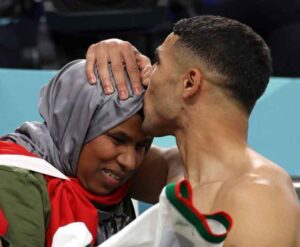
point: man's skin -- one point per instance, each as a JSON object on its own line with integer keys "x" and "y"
{"x": 118, "y": 53}
{"x": 227, "y": 173}
{"x": 160, "y": 166}
{"x": 211, "y": 133}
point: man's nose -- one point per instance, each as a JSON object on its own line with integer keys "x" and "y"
{"x": 127, "y": 159}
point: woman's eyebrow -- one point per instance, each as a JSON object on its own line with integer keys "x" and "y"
{"x": 127, "y": 138}
{"x": 121, "y": 134}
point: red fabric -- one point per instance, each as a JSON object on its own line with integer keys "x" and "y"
{"x": 70, "y": 202}
{"x": 13, "y": 148}
{"x": 3, "y": 224}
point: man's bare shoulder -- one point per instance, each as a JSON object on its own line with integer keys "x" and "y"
{"x": 263, "y": 177}
{"x": 263, "y": 205}
{"x": 269, "y": 185}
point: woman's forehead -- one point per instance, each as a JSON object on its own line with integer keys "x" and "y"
{"x": 131, "y": 127}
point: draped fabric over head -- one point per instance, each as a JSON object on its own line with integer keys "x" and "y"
{"x": 74, "y": 113}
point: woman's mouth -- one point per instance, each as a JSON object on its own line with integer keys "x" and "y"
{"x": 111, "y": 174}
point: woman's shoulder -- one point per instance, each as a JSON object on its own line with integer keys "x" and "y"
{"x": 14, "y": 176}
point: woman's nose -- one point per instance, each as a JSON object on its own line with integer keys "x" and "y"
{"x": 127, "y": 159}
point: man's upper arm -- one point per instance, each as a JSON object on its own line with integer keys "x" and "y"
{"x": 159, "y": 167}
{"x": 264, "y": 215}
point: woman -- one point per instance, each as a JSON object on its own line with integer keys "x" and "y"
{"x": 96, "y": 144}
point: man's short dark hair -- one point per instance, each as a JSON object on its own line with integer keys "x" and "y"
{"x": 233, "y": 50}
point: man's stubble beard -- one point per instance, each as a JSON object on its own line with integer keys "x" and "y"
{"x": 154, "y": 128}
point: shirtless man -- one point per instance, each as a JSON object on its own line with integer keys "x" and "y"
{"x": 209, "y": 72}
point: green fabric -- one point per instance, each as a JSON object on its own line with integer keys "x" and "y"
{"x": 190, "y": 216}
{"x": 25, "y": 203}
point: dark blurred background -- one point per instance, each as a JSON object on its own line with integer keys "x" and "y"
{"x": 47, "y": 34}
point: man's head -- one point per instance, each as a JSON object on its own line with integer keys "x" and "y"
{"x": 224, "y": 53}
{"x": 233, "y": 50}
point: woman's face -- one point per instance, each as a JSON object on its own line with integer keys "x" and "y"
{"x": 107, "y": 161}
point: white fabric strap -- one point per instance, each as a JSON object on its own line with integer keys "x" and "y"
{"x": 31, "y": 163}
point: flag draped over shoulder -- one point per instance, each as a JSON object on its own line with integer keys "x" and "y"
{"x": 174, "y": 221}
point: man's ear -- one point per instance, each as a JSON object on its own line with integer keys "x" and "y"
{"x": 192, "y": 82}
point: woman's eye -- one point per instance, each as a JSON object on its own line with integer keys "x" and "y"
{"x": 117, "y": 140}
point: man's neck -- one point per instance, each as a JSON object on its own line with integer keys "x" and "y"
{"x": 213, "y": 150}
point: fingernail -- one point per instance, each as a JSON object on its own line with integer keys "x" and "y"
{"x": 137, "y": 90}
{"x": 108, "y": 89}
{"x": 93, "y": 79}
{"x": 123, "y": 94}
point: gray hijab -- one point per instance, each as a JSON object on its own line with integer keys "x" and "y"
{"x": 74, "y": 113}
